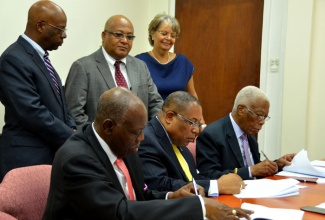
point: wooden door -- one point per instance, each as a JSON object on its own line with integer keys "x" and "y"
{"x": 222, "y": 38}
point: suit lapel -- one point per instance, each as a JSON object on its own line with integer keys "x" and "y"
{"x": 104, "y": 69}
{"x": 165, "y": 143}
{"x": 136, "y": 175}
{"x": 41, "y": 65}
{"x": 233, "y": 142}
{"x": 133, "y": 74}
{"x": 101, "y": 154}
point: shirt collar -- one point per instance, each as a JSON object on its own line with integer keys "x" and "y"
{"x": 105, "y": 146}
{"x": 37, "y": 47}
{"x": 164, "y": 130}
{"x": 237, "y": 129}
{"x": 110, "y": 60}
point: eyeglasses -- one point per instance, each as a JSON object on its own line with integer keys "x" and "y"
{"x": 191, "y": 123}
{"x": 259, "y": 117}
{"x": 63, "y": 30}
{"x": 165, "y": 34}
{"x": 120, "y": 35}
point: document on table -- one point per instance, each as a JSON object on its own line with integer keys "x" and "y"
{"x": 301, "y": 164}
{"x": 272, "y": 213}
{"x": 266, "y": 188}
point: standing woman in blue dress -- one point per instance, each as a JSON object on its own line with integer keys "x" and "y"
{"x": 170, "y": 72}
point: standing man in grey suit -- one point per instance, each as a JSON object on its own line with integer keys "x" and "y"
{"x": 92, "y": 75}
{"x": 37, "y": 122}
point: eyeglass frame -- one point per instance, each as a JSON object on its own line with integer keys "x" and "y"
{"x": 63, "y": 30}
{"x": 168, "y": 34}
{"x": 191, "y": 123}
{"x": 259, "y": 117}
{"x": 120, "y": 35}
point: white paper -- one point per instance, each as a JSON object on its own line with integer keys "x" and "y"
{"x": 322, "y": 205}
{"x": 266, "y": 188}
{"x": 319, "y": 163}
{"x": 301, "y": 164}
{"x": 272, "y": 213}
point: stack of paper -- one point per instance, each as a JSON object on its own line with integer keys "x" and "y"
{"x": 301, "y": 165}
{"x": 266, "y": 188}
{"x": 262, "y": 212}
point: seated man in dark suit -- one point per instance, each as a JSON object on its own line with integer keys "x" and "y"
{"x": 229, "y": 145}
{"x": 97, "y": 173}
{"x": 167, "y": 162}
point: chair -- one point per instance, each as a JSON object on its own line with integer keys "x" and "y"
{"x": 192, "y": 148}
{"x": 24, "y": 192}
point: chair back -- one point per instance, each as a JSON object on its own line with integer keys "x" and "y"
{"x": 24, "y": 192}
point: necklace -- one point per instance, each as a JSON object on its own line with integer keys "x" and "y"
{"x": 151, "y": 52}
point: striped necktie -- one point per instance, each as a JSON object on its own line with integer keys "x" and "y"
{"x": 247, "y": 157}
{"x": 51, "y": 70}
{"x": 183, "y": 163}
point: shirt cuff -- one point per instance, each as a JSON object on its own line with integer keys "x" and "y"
{"x": 166, "y": 197}
{"x": 250, "y": 173}
{"x": 213, "y": 189}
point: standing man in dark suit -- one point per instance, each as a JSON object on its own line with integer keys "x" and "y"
{"x": 92, "y": 75}
{"x": 167, "y": 163}
{"x": 37, "y": 121}
{"x": 228, "y": 145}
{"x": 88, "y": 183}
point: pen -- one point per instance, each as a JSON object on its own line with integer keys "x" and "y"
{"x": 195, "y": 187}
{"x": 264, "y": 155}
{"x": 307, "y": 180}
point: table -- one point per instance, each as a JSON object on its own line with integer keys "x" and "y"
{"x": 312, "y": 195}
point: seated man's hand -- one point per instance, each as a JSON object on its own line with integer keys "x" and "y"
{"x": 187, "y": 190}
{"x": 285, "y": 160}
{"x": 230, "y": 184}
{"x": 216, "y": 210}
{"x": 264, "y": 168}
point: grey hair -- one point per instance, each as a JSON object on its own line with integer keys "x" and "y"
{"x": 179, "y": 101}
{"x": 158, "y": 20}
{"x": 247, "y": 95}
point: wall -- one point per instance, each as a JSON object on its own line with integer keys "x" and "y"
{"x": 304, "y": 78}
{"x": 86, "y": 20}
{"x": 293, "y": 32}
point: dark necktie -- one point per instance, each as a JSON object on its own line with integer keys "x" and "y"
{"x": 51, "y": 70}
{"x": 119, "y": 78}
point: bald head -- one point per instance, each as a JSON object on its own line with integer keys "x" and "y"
{"x": 120, "y": 120}
{"x": 117, "y": 20}
{"x": 46, "y": 20}
{"x": 115, "y": 103}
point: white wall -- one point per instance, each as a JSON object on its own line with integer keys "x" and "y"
{"x": 86, "y": 20}
{"x": 293, "y": 32}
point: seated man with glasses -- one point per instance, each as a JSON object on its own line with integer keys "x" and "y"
{"x": 229, "y": 145}
{"x": 167, "y": 164}
{"x": 110, "y": 66}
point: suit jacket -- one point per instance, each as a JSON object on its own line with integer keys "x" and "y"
{"x": 218, "y": 151}
{"x": 161, "y": 168}
{"x": 84, "y": 185}
{"x": 90, "y": 76}
{"x": 37, "y": 122}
